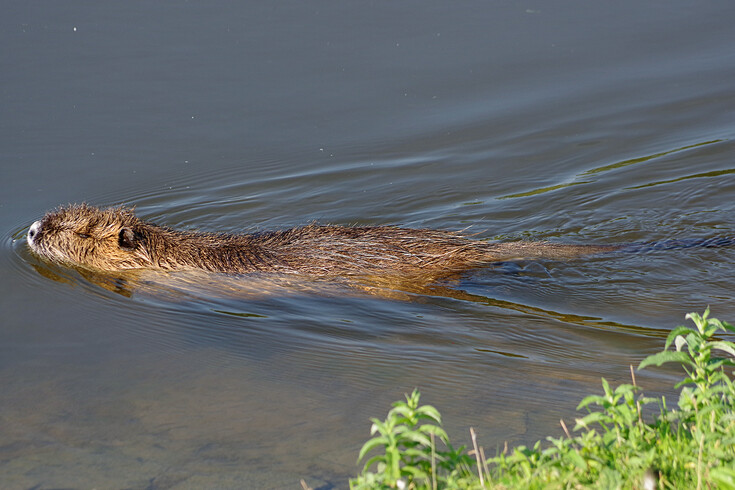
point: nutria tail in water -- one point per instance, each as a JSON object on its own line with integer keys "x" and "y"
{"x": 115, "y": 239}
{"x": 678, "y": 244}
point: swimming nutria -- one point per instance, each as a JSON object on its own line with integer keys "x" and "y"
{"x": 115, "y": 239}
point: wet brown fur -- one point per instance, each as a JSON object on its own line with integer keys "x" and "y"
{"x": 114, "y": 239}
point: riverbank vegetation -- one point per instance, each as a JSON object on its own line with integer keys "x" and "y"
{"x": 689, "y": 443}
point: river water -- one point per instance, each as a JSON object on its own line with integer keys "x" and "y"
{"x": 568, "y": 121}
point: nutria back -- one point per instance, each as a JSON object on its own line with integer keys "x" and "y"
{"x": 114, "y": 239}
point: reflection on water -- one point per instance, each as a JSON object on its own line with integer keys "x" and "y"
{"x": 575, "y": 123}
{"x": 619, "y": 165}
{"x": 210, "y": 288}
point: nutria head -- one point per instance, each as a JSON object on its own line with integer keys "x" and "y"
{"x": 86, "y": 236}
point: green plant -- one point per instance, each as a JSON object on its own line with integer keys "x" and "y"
{"x": 705, "y": 420}
{"x": 616, "y": 448}
{"x": 691, "y": 446}
{"x": 409, "y": 457}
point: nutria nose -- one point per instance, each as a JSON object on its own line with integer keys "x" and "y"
{"x": 33, "y": 230}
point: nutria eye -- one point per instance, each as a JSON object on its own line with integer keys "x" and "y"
{"x": 82, "y": 235}
{"x": 126, "y": 239}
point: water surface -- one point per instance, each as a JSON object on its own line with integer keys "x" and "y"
{"x": 560, "y": 121}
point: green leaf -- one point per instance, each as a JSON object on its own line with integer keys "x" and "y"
{"x": 678, "y": 331}
{"x": 371, "y": 444}
{"x": 625, "y": 388}
{"x": 685, "y": 381}
{"x": 728, "y": 327}
{"x": 728, "y": 347}
{"x": 596, "y": 399}
{"x": 725, "y": 477}
{"x": 594, "y": 417}
{"x": 377, "y": 426}
{"x": 417, "y": 453}
{"x": 415, "y": 472}
{"x": 667, "y": 356}
{"x": 437, "y": 431}
{"x": 606, "y": 386}
{"x": 416, "y": 437}
{"x": 577, "y": 460}
{"x": 430, "y": 412}
{"x": 380, "y": 458}
{"x": 402, "y": 409}
{"x": 699, "y": 321}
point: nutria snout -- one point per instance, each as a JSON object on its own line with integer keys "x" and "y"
{"x": 114, "y": 239}
{"x": 33, "y": 230}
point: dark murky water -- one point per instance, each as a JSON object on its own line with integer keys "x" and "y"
{"x": 553, "y": 120}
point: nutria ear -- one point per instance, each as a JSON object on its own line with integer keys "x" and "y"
{"x": 126, "y": 239}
